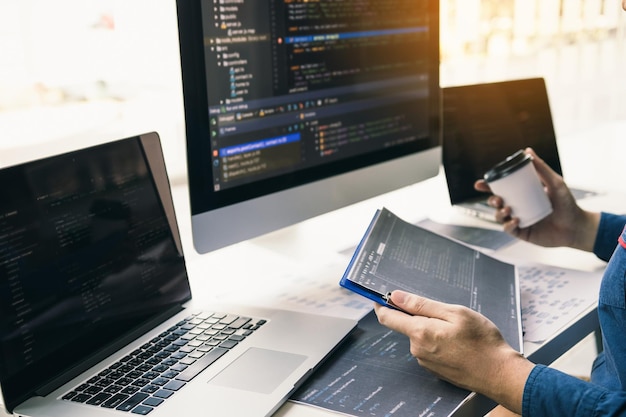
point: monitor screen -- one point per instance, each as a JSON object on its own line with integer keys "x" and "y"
{"x": 294, "y": 108}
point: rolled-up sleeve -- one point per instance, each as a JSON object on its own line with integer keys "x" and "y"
{"x": 549, "y": 392}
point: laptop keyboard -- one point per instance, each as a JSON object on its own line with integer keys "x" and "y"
{"x": 153, "y": 373}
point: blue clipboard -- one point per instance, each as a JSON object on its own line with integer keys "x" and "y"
{"x": 347, "y": 283}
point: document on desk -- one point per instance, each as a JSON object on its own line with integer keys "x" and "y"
{"x": 552, "y": 297}
{"x": 373, "y": 374}
{"x": 395, "y": 254}
{"x": 473, "y": 236}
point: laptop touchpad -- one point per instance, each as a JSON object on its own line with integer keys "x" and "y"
{"x": 258, "y": 370}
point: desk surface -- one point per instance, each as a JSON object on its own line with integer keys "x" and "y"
{"x": 314, "y": 253}
{"x": 318, "y": 250}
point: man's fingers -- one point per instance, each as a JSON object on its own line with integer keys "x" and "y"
{"x": 415, "y": 306}
{"x": 411, "y": 326}
{"x": 393, "y": 319}
{"x": 481, "y": 185}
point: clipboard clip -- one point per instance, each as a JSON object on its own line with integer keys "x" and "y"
{"x": 387, "y": 299}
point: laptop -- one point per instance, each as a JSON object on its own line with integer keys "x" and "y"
{"x": 485, "y": 123}
{"x": 96, "y": 312}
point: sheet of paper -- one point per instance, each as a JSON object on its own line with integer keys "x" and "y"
{"x": 474, "y": 236}
{"x": 552, "y": 297}
{"x": 374, "y": 375}
{"x": 305, "y": 288}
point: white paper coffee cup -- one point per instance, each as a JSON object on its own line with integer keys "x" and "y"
{"x": 517, "y": 182}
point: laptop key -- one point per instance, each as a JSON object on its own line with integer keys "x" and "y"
{"x": 163, "y": 393}
{"x": 81, "y": 398}
{"x": 150, "y": 389}
{"x": 130, "y": 389}
{"x": 153, "y": 402}
{"x": 69, "y": 395}
{"x": 228, "y": 344}
{"x": 132, "y": 402}
{"x": 199, "y": 366}
{"x": 174, "y": 385}
{"x": 179, "y": 367}
{"x": 142, "y": 410}
{"x": 98, "y": 399}
{"x": 114, "y": 401}
{"x": 104, "y": 382}
{"x": 239, "y": 323}
{"x": 187, "y": 361}
{"x": 92, "y": 390}
{"x": 160, "y": 381}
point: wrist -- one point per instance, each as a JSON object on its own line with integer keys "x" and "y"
{"x": 506, "y": 385}
{"x": 586, "y": 231}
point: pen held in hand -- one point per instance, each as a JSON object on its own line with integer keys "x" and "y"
{"x": 390, "y": 303}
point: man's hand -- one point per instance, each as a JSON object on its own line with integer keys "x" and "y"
{"x": 568, "y": 225}
{"x": 459, "y": 345}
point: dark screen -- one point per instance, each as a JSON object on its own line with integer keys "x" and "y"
{"x": 485, "y": 123}
{"x": 86, "y": 255}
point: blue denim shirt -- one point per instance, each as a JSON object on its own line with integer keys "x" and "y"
{"x": 549, "y": 392}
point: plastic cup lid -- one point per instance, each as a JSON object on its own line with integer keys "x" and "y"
{"x": 508, "y": 166}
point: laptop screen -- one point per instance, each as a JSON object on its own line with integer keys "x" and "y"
{"x": 485, "y": 123}
{"x": 87, "y": 255}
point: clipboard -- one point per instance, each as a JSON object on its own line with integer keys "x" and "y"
{"x": 396, "y": 255}
{"x": 347, "y": 283}
{"x": 382, "y": 298}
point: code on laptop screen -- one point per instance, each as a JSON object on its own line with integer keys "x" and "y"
{"x": 86, "y": 255}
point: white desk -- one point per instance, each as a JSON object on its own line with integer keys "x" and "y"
{"x": 316, "y": 250}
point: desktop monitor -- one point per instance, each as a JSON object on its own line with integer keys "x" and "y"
{"x": 294, "y": 108}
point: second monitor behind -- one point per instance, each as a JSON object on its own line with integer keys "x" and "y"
{"x": 483, "y": 123}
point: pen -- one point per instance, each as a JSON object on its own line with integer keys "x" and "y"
{"x": 387, "y": 299}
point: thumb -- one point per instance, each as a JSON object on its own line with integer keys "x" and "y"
{"x": 417, "y": 305}
{"x": 482, "y": 186}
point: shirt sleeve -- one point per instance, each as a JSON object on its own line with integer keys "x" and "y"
{"x": 549, "y": 392}
{"x": 609, "y": 230}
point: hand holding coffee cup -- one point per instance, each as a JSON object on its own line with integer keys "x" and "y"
{"x": 517, "y": 182}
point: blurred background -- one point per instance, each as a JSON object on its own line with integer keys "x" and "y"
{"x": 77, "y": 72}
